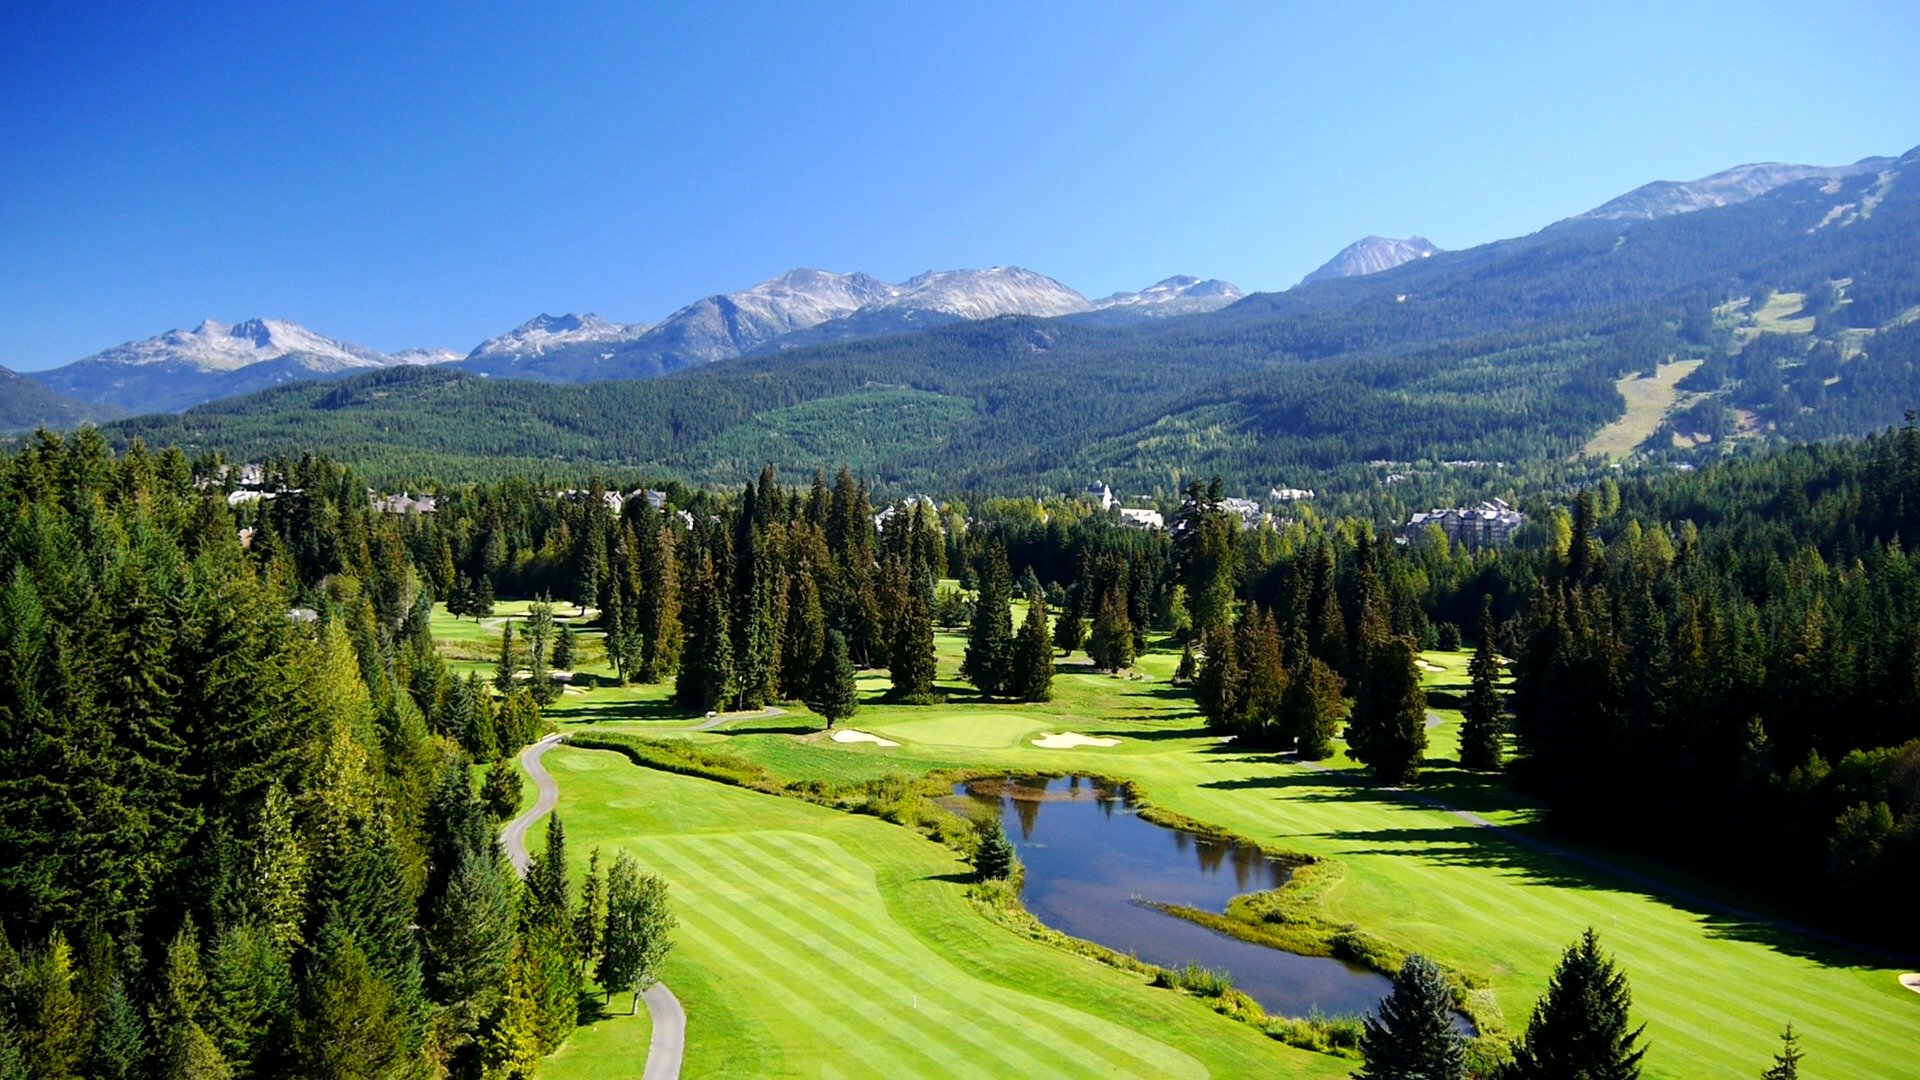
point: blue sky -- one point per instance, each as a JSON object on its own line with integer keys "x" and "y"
{"x": 434, "y": 175}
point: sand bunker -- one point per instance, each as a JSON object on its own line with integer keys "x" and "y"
{"x": 849, "y": 735}
{"x": 1426, "y": 666}
{"x": 1067, "y": 740}
{"x": 1911, "y": 981}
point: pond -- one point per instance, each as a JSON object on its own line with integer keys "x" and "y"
{"x": 1090, "y": 859}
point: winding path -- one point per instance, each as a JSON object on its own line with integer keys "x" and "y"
{"x": 669, "y": 1019}
{"x": 720, "y": 719}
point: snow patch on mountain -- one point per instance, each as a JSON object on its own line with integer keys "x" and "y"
{"x": 1181, "y": 294}
{"x": 1664, "y": 198}
{"x": 545, "y": 333}
{"x": 217, "y": 346}
{"x": 1371, "y": 256}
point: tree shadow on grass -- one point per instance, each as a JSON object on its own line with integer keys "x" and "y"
{"x": 789, "y": 728}
{"x": 651, "y": 710}
{"x": 958, "y": 877}
{"x": 1537, "y": 856}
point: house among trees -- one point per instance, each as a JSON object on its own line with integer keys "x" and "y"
{"x": 1101, "y": 494}
{"x": 1287, "y": 494}
{"x": 1246, "y": 510}
{"x": 880, "y": 519}
{"x": 404, "y": 503}
{"x": 1488, "y": 525}
{"x": 1141, "y": 519}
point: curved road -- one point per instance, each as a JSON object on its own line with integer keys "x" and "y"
{"x": 669, "y": 1019}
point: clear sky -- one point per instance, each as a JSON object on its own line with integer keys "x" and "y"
{"x": 401, "y": 174}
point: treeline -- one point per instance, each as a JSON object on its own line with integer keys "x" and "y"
{"x": 238, "y": 830}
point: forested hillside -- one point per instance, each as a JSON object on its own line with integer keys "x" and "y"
{"x": 1505, "y": 352}
{"x": 238, "y": 832}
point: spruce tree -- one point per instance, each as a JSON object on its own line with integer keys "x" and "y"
{"x": 993, "y": 855}
{"x": 500, "y": 791}
{"x": 1031, "y": 674}
{"x": 1219, "y": 686}
{"x": 1482, "y": 721}
{"x": 1786, "y": 1063}
{"x": 469, "y": 941}
{"x": 589, "y": 919}
{"x": 504, "y": 668}
{"x": 1579, "y": 1029}
{"x": 989, "y": 651}
{"x": 658, "y": 624}
{"x": 835, "y": 690}
{"x": 912, "y": 668}
{"x": 347, "y": 1027}
{"x": 707, "y": 682}
{"x": 563, "y": 648}
{"x": 1411, "y": 1036}
{"x": 480, "y": 603}
{"x": 1189, "y": 666}
{"x": 1310, "y": 711}
{"x": 1388, "y": 728}
{"x": 1071, "y": 632}
{"x": 1111, "y": 643}
{"x": 250, "y": 998}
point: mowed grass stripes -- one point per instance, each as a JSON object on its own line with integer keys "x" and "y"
{"x": 817, "y": 943}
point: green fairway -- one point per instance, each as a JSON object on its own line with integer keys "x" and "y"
{"x": 1715, "y": 991}
{"x": 818, "y": 942}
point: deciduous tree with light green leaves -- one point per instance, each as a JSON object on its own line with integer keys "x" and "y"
{"x": 639, "y": 929}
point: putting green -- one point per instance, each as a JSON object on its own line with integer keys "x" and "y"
{"x": 962, "y": 729}
{"x": 821, "y": 943}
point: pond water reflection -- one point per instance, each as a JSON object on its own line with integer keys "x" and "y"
{"x": 1090, "y": 857}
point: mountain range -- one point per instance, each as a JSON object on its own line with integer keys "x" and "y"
{"x": 1376, "y": 299}
{"x": 804, "y": 307}
{"x": 1791, "y": 314}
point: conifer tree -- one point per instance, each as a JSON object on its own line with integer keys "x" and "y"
{"x": 834, "y": 692}
{"x": 1786, "y": 1064}
{"x": 989, "y": 650}
{"x": 1111, "y": 644}
{"x": 459, "y": 596}
{"x": 509, "y": 1045}
{"x": 638, "y": 932}
{"x": 480, "y": 602}
{"x": 804, "y": 640}
{"x": 1412, "y": 1035}
{"x": 1071, "y": 632}
{"x": 250, "y": 997}
{"x": 912, "y": 667}
{"x": 659, "y": 618}
{"x": 707, "y": 681}
{"x": 1482, "y": 721}
{"x": 993, "y": 856}
{"x": 589, "y": 919}
{"x": 505, "y": 667}
{"x": 1219, "y": 686}
{"x": 1031, "y": 675}
{"x": 54, "y": 1029}
{"x": 1189, "y": 666}
{"x": 1388, "y": 728}
{"x": 469, "y": 940}
{"x": 1579, "y": 1027}
{"x": 1258, "y": 646}
{"x": 1310, "y": 711}
{"x": 347, "y": 1027}
{"x": 563, "y": 647}
{"x": 119, "y": 1036}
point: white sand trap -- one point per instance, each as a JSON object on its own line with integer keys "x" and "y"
{"x": 1067, "y": 740}
{"x": 850, "y": 735}
{"x": 1911, "y": 981}
{"x": 1424, "y": 665}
